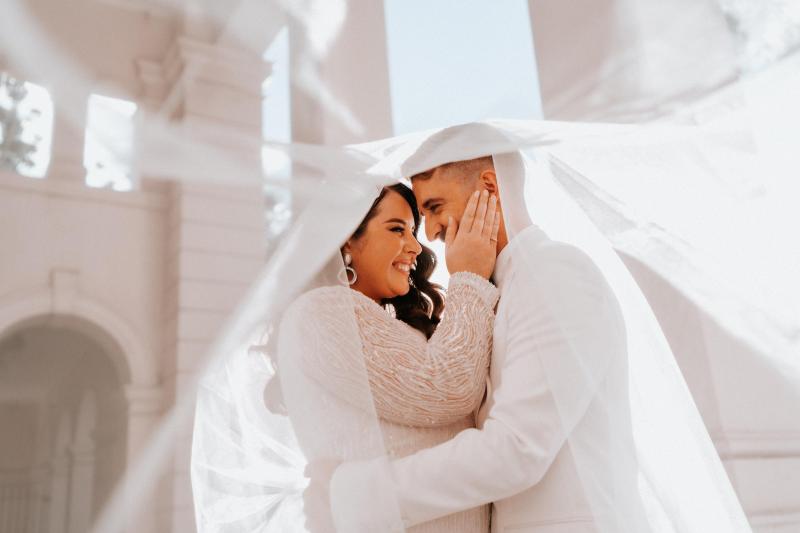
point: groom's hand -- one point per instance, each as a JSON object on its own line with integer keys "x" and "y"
{"x": 471, "y": 245}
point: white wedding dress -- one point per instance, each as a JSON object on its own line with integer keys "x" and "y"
{"x": 424, "y": 391}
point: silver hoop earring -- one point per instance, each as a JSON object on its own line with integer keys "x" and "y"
{"x": 350, "y": 273}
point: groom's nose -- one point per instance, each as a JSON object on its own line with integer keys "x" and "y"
{"x": 432, "y": 229}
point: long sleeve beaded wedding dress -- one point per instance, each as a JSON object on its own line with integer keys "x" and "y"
{"x": 424, "y": 391}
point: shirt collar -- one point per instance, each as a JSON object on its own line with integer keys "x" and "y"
{"x": 503, "y": 265}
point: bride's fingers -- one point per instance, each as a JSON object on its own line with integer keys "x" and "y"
{"x": 496, "y": 226}
{"x": 469, "y": 213}
{"x": 480, "y": 215}
{"x": 488, "y": 222}
{"x": 450, "y": 232}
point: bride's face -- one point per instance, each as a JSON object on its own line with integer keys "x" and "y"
{"x": 385, "y": 252}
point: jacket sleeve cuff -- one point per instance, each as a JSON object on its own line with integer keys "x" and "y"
{"x": 486, "y": 290}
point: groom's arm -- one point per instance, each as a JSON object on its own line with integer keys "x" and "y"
{"x": 516, "y": 445}
{"x": 563, "y": 320}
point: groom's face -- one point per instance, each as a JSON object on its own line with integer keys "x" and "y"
{"x": 441, "y": 196}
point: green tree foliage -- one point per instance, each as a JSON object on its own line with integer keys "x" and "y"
{"x": 15, "y": 152}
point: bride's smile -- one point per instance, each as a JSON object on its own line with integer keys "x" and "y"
{"x": 384, "y": 249}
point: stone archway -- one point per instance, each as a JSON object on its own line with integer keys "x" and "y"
{"x": 64, "y": 411}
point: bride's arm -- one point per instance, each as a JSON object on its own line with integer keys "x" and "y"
{"x": 441, "y": 380}
{"x": 413, "y": 381}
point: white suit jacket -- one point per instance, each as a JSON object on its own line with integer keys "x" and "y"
{"x": 518, "y": 456}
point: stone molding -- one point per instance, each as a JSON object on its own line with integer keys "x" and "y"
{"x": 190, "y": 61}
{"x": 150, "y": 8}
{"x": 144, "y": 400}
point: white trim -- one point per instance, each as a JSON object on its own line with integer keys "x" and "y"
{"x": 144, "y": 400}
{"x": 190, "y": 61}
{"x": 775, "y": 518}
{"x": 743, "y": 444}
{"x": 150, "y": 201}
{"x": 153, "y": 8}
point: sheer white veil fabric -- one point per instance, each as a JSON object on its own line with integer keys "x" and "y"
{"x": 670, "y": 197}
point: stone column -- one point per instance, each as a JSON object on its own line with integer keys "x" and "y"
{"x": 82, "y": 451}
{"x": 145, "y": 406}
{"x": 81, "y": 489}
{"x": 59, "y": 478}
{"x": 59, "y": 494}
{"x": 340, "y": 93}
{"x": 216, "y": 235}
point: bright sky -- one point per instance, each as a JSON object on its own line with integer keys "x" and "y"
{"x": 454, "y": 61}
{"x": 108, "y": 146}
{"x": 277, "y": 98}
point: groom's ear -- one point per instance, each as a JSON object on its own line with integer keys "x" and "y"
{"x": 488, "y": 181}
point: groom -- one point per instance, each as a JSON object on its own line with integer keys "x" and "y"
{"x": 554, "y": 305}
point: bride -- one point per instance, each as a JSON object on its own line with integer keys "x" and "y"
{"x": 427, "y": 377}
{"x": 371, "y": 364}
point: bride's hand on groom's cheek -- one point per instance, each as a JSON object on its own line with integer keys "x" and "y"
{"x": 316, "y": 496}
{"x": 471, "y": 245}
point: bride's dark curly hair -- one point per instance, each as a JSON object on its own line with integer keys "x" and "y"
{"x": 421, "y": 307}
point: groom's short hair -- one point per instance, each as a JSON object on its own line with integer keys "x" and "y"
{"x": 469, "y": 169}
{"x": 475, "y": 142}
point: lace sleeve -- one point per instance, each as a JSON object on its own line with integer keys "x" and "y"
{"x": 432, "y": 382}
{"x": 413, "y": 380}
